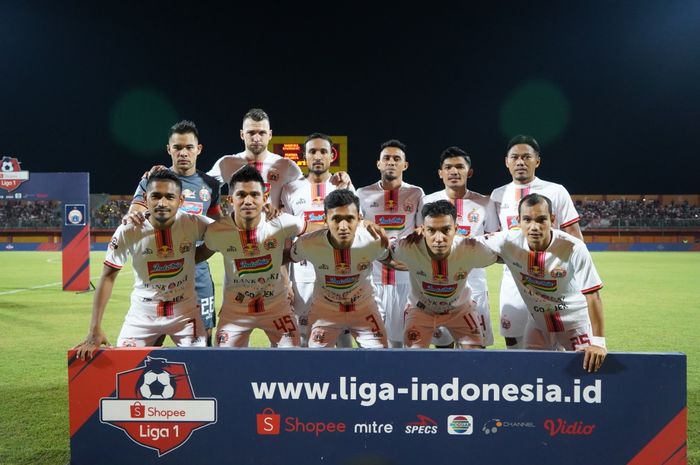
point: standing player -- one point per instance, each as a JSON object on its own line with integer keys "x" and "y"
{"x": 557, "y": 280}
{"x": 275, "y": 170}
{"x": 392, "y": 204}
{"x": 342, "y": 257}
{"x": 439, "y": 265}
{"x": 476, "y": 215}
{"x": 304, "y": 198}
{"x": 255, "y": 294}
{"x": 522, "y": 159}
{"x": 201, "y": 197}
{"x": 163, "y": 301}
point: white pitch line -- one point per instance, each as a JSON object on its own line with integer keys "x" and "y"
{"x": 15, "y": 291}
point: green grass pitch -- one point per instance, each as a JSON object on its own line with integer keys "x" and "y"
{"x": 651, "y": 304}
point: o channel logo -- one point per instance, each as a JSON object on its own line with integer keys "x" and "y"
{"x": 460, "y": 424}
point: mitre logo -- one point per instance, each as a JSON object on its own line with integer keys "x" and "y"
{"x": 156, "y": 407}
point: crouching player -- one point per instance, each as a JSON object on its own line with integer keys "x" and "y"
{"x": 439, "y": 264}
{"x": 163, "y": 301}
{"x": 342, "y": 256}
{"x": 556, "y": 278}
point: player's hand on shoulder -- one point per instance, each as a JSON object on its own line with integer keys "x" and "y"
{"x": 154, "y": 169}
{"x": 415, "y": 237}
{"x": 271, "y": 212}
{"x": 136, "y": 218}
{"x": 341, "y": 180}
{"x": 377, "y": 232}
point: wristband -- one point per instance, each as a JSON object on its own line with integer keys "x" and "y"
{"x": 597, "y": 341}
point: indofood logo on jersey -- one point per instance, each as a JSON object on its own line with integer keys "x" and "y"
{"x": 441, "y": 291}
{"x": 11, "y": 175}
{"x": 315, "y": 216}
{"x": 254, "y": 265}
{"x": 166, "y": 269}
{"x": 545, "y": 285}
{"x": 341, "y": 282}
{"x": 156, "y": 407}
{"x": 464, "y": 230}
{"x": 390, "y": 222}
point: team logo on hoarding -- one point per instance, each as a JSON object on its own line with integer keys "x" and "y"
{"x": 11, "y": 175}
{"x": 391, "y": 222}
{"x": 75, "y": 214}
{"x": 460, "y": 424}
{"x": 166, "y": 269}
{"x": 253, "y": 265}
{"x": 156, "y": 407}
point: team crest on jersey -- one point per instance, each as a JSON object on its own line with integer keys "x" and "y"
{"x": 145, "y": 398}
{"x": 362, "y": 266}
{"x": 461, "y": 274}
{"x": 270, "y": 243}
{"x": 188, "y": 193}
{"x": 204, "y": 194}
{"x": 439, "y": 291}
{"x": 113, "y": 244}
{"x": 251, "y": 249}
{"x": 473, "y": 216}
{"x": 314, "y": 216}
{"x": 464, "y": 230}
{"x": 408, "y": 207}
{"x": 273, "y": 175}
{"x": 545, "y": 285}
{"x": 341, "y": 283}
{"x": 253, "y": 265}
{"x": 558, "y": 273}
{"x": 391, "y": 222}
{"x": 165, "y": 251}
{"x": 165, "y": 269}
{"x": 185, "y": 247}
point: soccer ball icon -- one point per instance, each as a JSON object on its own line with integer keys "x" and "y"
{"x": 157, "y": 385}
{"x": 7, "y": 165}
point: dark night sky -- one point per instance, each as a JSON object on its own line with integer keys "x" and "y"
{"x": 611, "y": 89}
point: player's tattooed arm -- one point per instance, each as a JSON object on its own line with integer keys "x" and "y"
{"x": 96, "y": 337}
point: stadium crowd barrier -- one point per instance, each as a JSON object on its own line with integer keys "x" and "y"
{"x": 261, "y": 406}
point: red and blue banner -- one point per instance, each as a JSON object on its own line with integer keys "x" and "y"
{"x": 253, "y": 406}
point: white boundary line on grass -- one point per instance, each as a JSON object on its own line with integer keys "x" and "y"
{"x": 15, "y": 291}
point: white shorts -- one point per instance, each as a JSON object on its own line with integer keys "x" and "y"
{"x": 513, "y": 311}
{"x": 480, "y": 301}
{"x": 462, "y": 324}
{"x": 235, "y": 327}
{"x": 139, "y": 330}
{"x": 302, "y": 304}
{"x": 569, "y": 340}
{"x": 392, "y": 300}
{"x": 365, "y": 324}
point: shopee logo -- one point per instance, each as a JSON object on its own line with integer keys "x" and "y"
{"x": 268, "y": 422}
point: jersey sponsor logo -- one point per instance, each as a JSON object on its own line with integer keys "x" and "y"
{"x": 166, "y": 269}
{"x": 440, "y": 291}
{"x": 423, "y": 425}
{"x": 464, "y": 230}
{"x": 204, "y": 194}
{"x": 253, "y": 265}
{"x": 557, "y": 273}
{"x": 315, "y": 216}
{"x": 391, "y": 222}
{"x": 146, "y": 251}
{"x": 342, "y": 268}
{"x": 513, "y": 222}
{"x": 341, "y": 282}
{"x": 460, "y": 424}
{"x": 188, "y": 194}
{"x": 545, "y": 285}
{"x": 164, "y": 251}
{"x": 195, "y": 208}
{"x": 156, "y": 407}
{"x": 300, "y": 201}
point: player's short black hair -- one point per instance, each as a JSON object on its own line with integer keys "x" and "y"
{"x": 393, "y": 143}
{"x": 340, "y": 198}
{"x": 317, "y": 135}
{"x": 439, "y": 208}
{"x": 184, "y": 127}
{"x": 535, "y": 199}
{"x": 524, "y": 139}
{"x": 453, "y": 152}
{"x": 164, "y": 175}
{"x": 256, "y": 114}
{"x": 246, "y": 173}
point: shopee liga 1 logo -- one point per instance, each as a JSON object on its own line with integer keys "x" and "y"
{"x": 156, "y": 407}
{"x": 11, "y": 175}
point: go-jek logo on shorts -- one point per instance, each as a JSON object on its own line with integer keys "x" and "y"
{"x": 165, "y": 269}
{"x": 254, "y": 265}
{"x": 156, "y": 407}
{"x": 460, "y": 424}
{"x": 390, "y": 222}
{"x": 269, "y": 423}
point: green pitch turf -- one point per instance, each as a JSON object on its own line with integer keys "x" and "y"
{"x": 651, "y": 303}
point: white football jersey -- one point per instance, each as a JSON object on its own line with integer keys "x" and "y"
{"x": 343, "y": 277}
{"x": 552, "y": 282}
{"x": 395, "y": 211}
{"x": 440, "y": 286}
{"x": 252, "y": 261}
{"x": 275, "y": 170}
{"x": 163, "y": 262}
{"x": 476, "y": 215}
{"x": 305, "y": 199}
